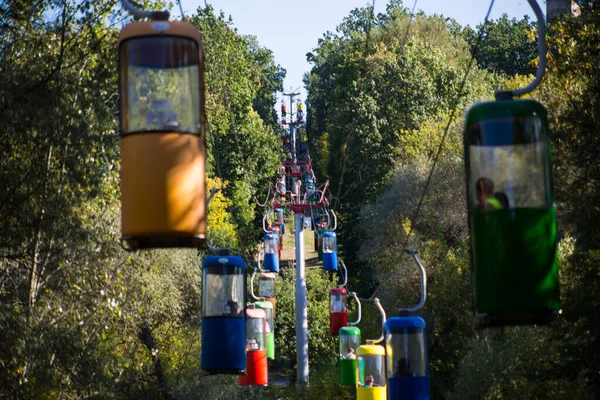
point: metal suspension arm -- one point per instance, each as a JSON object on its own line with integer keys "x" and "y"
{"x": 334, "y": 220}
{"x": 136, "y": 12}
{"x": 259, "y": 255}
{"x": 345, "y": 273}
{"x": 542, "y": 50}
{"x": 353, "y": 294}
{"x": 252, "y": 286}
{"x": 383, "y": 319}
{"x": 264, "y": 222}
{"x": 413, "y": 253}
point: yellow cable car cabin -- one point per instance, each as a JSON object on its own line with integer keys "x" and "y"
{"x": 163, "y": 151}
{"x": 371, "y": 372}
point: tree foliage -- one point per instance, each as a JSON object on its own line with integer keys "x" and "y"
{"x": 79, "y": 316}
{"x": 506, "y": 47}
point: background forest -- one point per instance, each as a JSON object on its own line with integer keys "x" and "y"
{"x": 82, "y": 318}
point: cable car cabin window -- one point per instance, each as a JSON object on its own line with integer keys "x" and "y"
{"x": 370, "y": 370}
{"x": 255, "y": 334}
{"x": 329, "y": 244}
{"x": 266, "y": 287}
{"x": 348, "y": 346}
{"x": 224, "y": 293}
{"x": 509, "y": 164}
{"x": 406, "y": 352}
{"x": 337, "y": 303}
{"x": 269, "y": 312}
{"x": 160, "y": 84}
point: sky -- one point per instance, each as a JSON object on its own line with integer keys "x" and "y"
{"x": 291, "y": 28}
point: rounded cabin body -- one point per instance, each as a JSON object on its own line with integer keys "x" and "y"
{"x": 279, "y": 220}
{"x": 267, "y": 307}
{"x": 223, "y": 315}
{"x": 349, "y": 343}
{"x": 329, "y": 251}
{"x": 271, "y": 260}
{"x": 338, "y": 310}
{"x": 162, "y": 129}
{"x": 406, "y": 359}
{"x": 267, "y": 288}
{"x": 371, "y": 373}
{"x": 320, "y": 227}
{"x": 512, "y": 216}
{"x": 256, "y": 367}
{"x": 276, "y": 228}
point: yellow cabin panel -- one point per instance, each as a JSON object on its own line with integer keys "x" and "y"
{"x": 376, "y": 393}
{"x": 162, "y": 185}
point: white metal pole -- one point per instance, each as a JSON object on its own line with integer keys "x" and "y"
{"x": 301, "y": 311}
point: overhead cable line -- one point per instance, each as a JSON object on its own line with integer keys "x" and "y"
{"x": 412, "y": 15}
{"x": 447, "y": 128}
{"x": 337, "y": 198}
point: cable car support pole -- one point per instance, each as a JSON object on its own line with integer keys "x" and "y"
{"x": 301, "y": 310}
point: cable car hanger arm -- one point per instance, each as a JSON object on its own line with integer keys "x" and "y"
{"x": 136, "y": 12}
{"x": 213, "y": 191}
{"x": 542, "y": 50}
{"x": 335, "y": 227}
{"x": 413, "y": 253}
{"x": 266, "y": 200}
{"x": 345, "y": 274}
{"x": 383, "y": 319}
{"x": 252, "y": 283}
{"x": 353, "y": 294}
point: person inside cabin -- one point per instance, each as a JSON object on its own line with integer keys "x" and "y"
{"x": 252, "y": 344}
{"x": 338, "y": 305}
{"x": 349, "y": 353}
{"x": 369, "y": 381}
{"x": 232, "y": 308}
{"x": 266, "y": 292}
{"x": 327, "y": 249}
{"x": 484, "y": 193}
{"x": 402, "y": 368}
{"x": 162, "y": 116}
{"x": 503, "y": 199}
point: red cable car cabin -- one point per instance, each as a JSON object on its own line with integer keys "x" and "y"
{"x": 338, "y": 309}
{"x": 256, "y": 348}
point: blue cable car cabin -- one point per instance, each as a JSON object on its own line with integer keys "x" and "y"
{"x": 330, "y": 251}
{"x": 223, "y": 315}
{"x": 271, "y": 260}
{"x": 406, "y": 357}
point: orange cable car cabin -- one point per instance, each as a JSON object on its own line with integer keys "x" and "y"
{"x": 163, "y": 151}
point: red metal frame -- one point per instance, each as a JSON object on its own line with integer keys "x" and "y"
{"x": 297, "y": 169}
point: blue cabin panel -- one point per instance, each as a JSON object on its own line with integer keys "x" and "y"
{"x": 271, "y": 263}
{"x": 224, "y": 345}
{"x": 330, "y": 261}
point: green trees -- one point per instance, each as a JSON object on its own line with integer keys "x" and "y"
{"x": 79, "y": 317}
{"x": 368, "y": 92}
{"x": 506, "y": 46}
{"x": 376, "y": 127}
{"x": 242, "y": 146}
